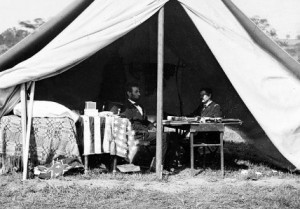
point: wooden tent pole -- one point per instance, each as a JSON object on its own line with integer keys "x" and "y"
{"x": 24, "y": 118}
{"x": 29, "y": 121}
{"x": 160, "y": 67}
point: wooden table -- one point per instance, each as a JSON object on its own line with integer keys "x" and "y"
{"x": 193, "y": 128}
{"x": 207, "y": 127}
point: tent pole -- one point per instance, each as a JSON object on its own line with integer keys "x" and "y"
{"x": 24, "y": 118}
{"x": 159, "y": 113}
{"x": 29, "y": 121}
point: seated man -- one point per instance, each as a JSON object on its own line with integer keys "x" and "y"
{"x": 208, "y": 108}
{"x": 144, "y": 129}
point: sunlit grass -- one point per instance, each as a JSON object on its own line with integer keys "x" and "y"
{"x": 242, "y": 187}
{"x": 216, "y": 195}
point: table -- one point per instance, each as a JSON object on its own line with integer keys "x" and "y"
{"x": 107, "y": 134}
{"x": 195, "y": 127}
{"x": 51, "y": 138}
{"x": 207, "y": 127}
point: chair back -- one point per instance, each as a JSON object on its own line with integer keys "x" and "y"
{"x": 113, "y": 107}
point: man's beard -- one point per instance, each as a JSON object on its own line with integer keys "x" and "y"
{"x": 135, "y": 99}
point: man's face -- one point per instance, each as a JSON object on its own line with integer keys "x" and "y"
{"x": 135, "y": 94}
{"x": 205, "y": 97}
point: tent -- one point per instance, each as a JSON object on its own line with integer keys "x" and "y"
{"x": 207, "y": 43}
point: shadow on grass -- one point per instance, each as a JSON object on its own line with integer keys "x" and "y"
{"x": 237, "y": 157}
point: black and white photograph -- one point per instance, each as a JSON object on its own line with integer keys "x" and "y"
{"x": 149, "y": 104}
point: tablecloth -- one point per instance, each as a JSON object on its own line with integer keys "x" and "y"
{"x": 108, "y": 134}
{"x": 51, "y": 138}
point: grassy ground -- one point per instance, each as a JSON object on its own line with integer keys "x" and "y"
{"x": 247, "y": 184}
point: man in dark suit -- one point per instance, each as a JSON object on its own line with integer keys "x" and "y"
{"x": 144, "y": 129}
{"x": 208, "y": 108}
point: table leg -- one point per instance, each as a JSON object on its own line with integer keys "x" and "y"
{"x": 192, "y": 152}
{"x": 176, "y": 145}
{"x": 204, "y": 157}
{"x": 86, "y": 164}
{"x": 222, "y": 153}
{"x": 115, "y": 164}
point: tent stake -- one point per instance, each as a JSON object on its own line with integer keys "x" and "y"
{"x": 29, "y": 121}
{"x": 24, "y": 118}
{"x": 159, "y": 113}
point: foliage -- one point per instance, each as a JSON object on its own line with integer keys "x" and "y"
{"x": 265, "y": 26}
{"x": 32, "y": 24}
{"x": 12, "y": 36}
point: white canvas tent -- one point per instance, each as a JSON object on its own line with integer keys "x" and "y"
{"x": 253, "y": 79}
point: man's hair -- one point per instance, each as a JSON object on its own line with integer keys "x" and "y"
{"x": 207, "y": 90}
{"x": 130, "y": 85}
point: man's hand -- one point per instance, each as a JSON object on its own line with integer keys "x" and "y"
{"x": 202, "y": 120}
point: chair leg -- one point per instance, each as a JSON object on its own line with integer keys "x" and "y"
{"x": 213, "y": 151}
{"x": 152, "y": 164}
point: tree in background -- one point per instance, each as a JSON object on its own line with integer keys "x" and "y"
{"x": 290, "y": 47}
{"x": 265, "y": 26}
{"x": 13, "y": 35}
{"x": 32, "y": 25}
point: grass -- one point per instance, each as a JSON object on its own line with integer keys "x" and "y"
{"x": 206, "y": 196}
{"x": 248, "y": 184}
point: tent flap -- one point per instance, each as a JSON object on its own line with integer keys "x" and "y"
{"x": 263, "y": 83}
{"x": 266, "y": 86}
{"x": 114, "y": 19}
